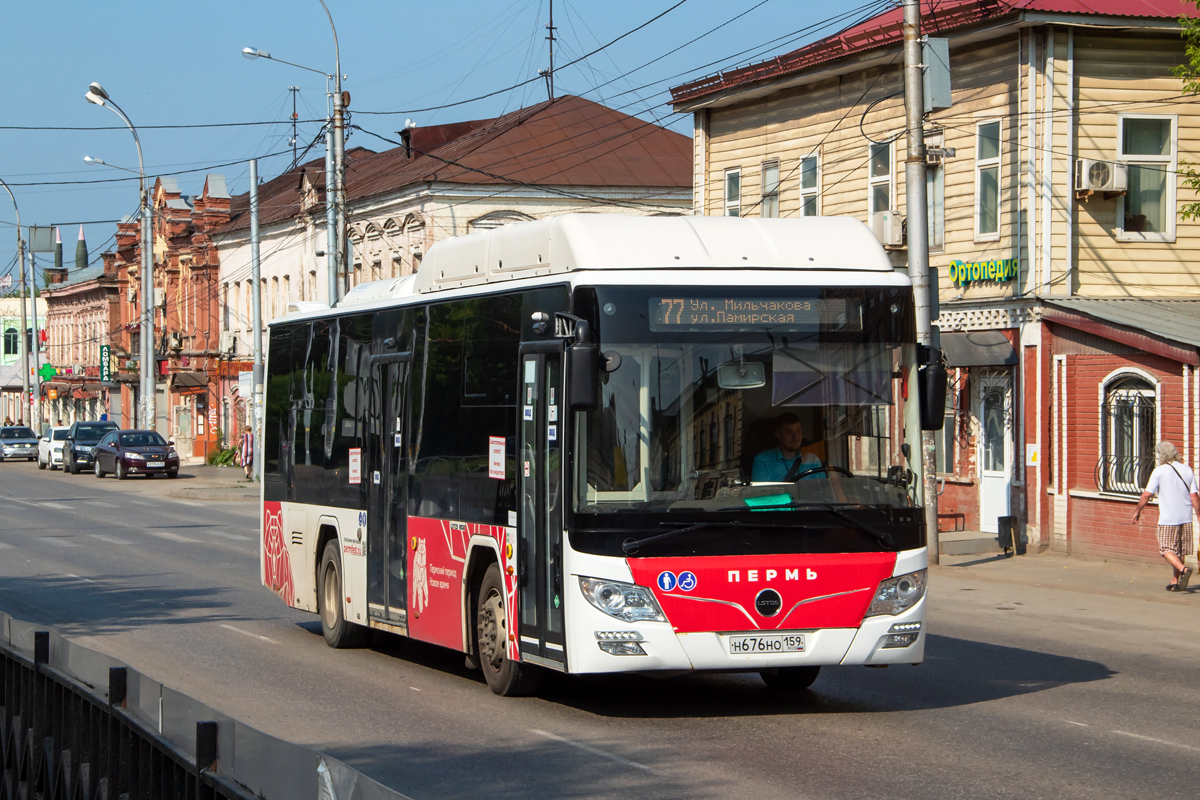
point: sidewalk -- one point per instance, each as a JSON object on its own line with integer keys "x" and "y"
{"x": 1072, "y": 573}
{"x": 203, "y": 482}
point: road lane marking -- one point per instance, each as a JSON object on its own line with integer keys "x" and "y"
{"x": 1157, "y": 741}
{"x": 174, "y": 537}
{"x": 247, "y": 633}
{"x": 57, "y": 542}
{"x": 186, "y": 502}
{"x": 5, "y": 546}
{"x": 111, "y": 539}
{"x": 80, "y": 578}
{"x": 415, "y": 689}
{"x": 587, "y": 748}
{"x": 140, "y": 502}
{"x": 1080, "y": 724}
{"x": 232, "y": 536}
{"x": 100, "y": 503}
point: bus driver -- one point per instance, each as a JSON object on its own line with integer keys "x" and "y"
{"x": 774, "y": 465}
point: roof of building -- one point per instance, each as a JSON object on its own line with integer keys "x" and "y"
{"x": 565, "y": 142}
{"x": 938, "y": 17}
{"x": 76, "y": 278}
{"x": 1170, "y": 319}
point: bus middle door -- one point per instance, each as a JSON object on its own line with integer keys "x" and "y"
{"x": 540, "y": 515}
{"x": 386, "y": 491}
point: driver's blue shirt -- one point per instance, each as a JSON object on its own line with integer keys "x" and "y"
{"x": 770, "y": 465}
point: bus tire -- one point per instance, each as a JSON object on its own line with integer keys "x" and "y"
{"x": 504, "y": 677}
{"x": 339, "y": 632}
{"x": 790, "y": 678}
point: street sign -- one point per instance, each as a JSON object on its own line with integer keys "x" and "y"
{"x": 41, "y": 239}
{"x": 53, "y": 394}
{"x": 6, "y": 282}
{"x": 105, "y": 363}
{"x": 47, "y": 372}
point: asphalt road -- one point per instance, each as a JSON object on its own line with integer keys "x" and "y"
{"x": 1026, "y": 691}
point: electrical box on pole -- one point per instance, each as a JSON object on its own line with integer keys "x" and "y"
{"x": 935, "y": 77}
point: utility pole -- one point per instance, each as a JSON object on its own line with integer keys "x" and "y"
{"x": 256, "y": 333}
{"x": 339, "y": 179}
{"x": 918, "y": 236}
{"x": 550, "y": 27}
{"x": 295, "y": 118}
{"x": 37, "y": 345}
{"x": 23, "y": 348}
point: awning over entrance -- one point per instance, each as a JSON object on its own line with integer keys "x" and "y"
{"x": 190, "y": 382}
{"x": 978, "y": 349}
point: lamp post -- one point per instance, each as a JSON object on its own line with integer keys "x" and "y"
{"x": 26, "y": 404}
{"x": 98, "y": 96}
{"x": 335, "y": 160}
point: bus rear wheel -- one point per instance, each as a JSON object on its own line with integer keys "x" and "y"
{"x": 504, "y": 677}
{"x": 790, "y": 678}
{"x": 339, "y": 632}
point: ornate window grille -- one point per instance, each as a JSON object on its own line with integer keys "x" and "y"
{"x": 1127, "y": 433}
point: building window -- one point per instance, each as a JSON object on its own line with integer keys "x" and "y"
{"x": 809, "y": 182}
{"x": 12, "y": 342}
{"x": 1127, "y": 436}
{"x": 770, "y": 189}
{"x": 1147, "y": 145}
{"x": 945, "y": 438}
{"x": 733, "y": 193}
{"x": 879, "y": 178}
{"x": 987, "y": 180}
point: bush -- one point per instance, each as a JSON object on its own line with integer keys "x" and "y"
{"x": 222, "y": 458}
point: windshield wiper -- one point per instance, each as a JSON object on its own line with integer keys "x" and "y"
{"x": 631, "y": 546}
{"x": 883, "y": 537}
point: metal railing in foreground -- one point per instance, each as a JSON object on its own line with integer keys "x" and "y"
{"x": 75, "y": 723}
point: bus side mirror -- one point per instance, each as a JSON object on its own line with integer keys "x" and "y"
{"x": 583, "y": 369}
{"x": 931, "y": 381}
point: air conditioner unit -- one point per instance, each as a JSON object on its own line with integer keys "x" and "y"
{"x": 228, "y": 342}
{"x": 888, "y": 228}
{"x": 1100, "y": 176}
{"x": 160, "y": 300}
{"x": 176, "y": 341}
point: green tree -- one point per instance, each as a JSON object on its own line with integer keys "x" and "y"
{"x": 1189, "y": 73}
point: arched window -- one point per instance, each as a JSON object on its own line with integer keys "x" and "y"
{"x": 1128, "y": 426}
{"x": 12, "y": 343}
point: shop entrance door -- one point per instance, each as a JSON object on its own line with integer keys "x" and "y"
{"x": 995, "y": 452}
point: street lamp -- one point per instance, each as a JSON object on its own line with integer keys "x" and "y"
{"x": 97, "y": 96}
{"x": 335, "y": 159}
{"x": 92, "y": 162}
{"x": 26, "y": 405}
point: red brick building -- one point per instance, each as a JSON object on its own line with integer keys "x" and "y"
{"x": 186, "y": 324}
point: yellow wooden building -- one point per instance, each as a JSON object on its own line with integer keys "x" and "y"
{"x": 1069, "y": 305}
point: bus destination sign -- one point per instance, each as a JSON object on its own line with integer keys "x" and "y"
{"x": 741, "y": 313}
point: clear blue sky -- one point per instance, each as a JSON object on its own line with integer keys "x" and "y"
{"x": 171, "y": 63}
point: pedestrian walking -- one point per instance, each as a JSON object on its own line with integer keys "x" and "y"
{"x": 1178, "y": 497}
{"x": 8, "y": 422}
{"x": 246, "y": 451}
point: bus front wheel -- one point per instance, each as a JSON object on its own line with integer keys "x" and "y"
{"x": 339, "y": 631}
{"x": 504, "y": 676}
{"x": 790, "y": 678}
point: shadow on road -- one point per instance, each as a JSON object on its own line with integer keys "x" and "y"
{"x": 956, "y": 672}
{"x": 109, "y": 604}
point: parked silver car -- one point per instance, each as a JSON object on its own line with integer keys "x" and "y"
{"x": 18, "y": 441}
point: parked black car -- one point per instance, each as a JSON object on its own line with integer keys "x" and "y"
{"x": 81, "y": 441}
{"x": 18, "y": 441}
{"x": 133, "y": 452}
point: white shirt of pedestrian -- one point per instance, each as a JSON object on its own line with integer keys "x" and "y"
{"x": 1174, "y": 490}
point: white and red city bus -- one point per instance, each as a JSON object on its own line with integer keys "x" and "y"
{"x": 604, "y": 443}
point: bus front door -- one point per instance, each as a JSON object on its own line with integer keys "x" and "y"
{"x": 386, "y": 493}
{"x": 542, "y": 424}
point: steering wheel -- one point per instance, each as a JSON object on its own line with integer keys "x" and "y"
{"x": 819, "y": 468}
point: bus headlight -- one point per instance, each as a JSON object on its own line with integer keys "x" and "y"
{"x": 896, "y": 595}
{"x": 624, "y": 601}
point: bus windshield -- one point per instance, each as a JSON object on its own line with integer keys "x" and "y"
{"x": 778, "y": 399}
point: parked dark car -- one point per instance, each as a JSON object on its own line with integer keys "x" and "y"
{"x": 81, "y": 441}
{"x": 131, "y": 452}
{"x": 18, "y": 441}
